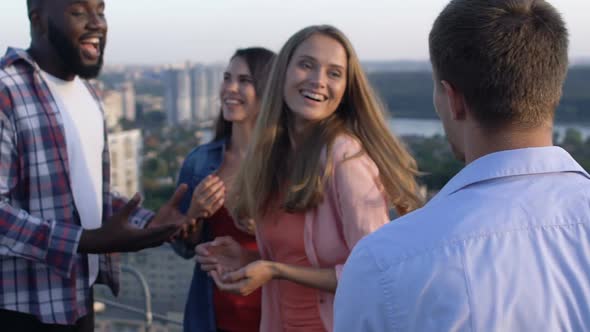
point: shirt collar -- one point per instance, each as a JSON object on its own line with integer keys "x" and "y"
{"x": 218, "y": 144}
{"x": 14, "y": 55}
{"x": 552, "y": 159}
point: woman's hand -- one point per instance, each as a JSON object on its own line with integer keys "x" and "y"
{"x": 207, "y": 197}
{"x": 247, "y": 279}
{"x": 247, "y": 226}
{"x": 224, "y": 254}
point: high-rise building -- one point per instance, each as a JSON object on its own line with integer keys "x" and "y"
{"x": 200, "y": 94}
{"x": 192, "y": 93}
{"x": 125, "y": 152}
{"x": 178, "y": 96}
{"x": 214, "y": 79}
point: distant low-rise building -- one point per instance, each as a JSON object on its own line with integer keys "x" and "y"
{"x": 126, "y": 155}
{"x": 129, "y": 107}
{"x": 113, "y": 108}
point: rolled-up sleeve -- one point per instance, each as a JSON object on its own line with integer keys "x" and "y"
{"x": 21, "y": 234}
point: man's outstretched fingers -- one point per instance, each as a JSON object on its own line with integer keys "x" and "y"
{"x": 129, "y": 207}
{"x": 154, "y": 237}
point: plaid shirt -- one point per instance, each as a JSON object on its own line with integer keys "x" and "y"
{"x": 41, "y": 272}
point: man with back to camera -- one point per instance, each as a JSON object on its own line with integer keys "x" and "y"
{"x": 57, "y": 228}
{"x": 505, "y": 245}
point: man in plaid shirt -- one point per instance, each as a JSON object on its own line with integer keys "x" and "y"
{"x": 57, "y": 227}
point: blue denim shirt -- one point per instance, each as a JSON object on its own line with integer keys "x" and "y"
{"x": 199, "y": 312}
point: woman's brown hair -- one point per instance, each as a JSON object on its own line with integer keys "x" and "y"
{"x": 259, "y": 61}
{"x": 271, "y": 163}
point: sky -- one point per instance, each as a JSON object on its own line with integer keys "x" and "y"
{"x": 174, "y": 31}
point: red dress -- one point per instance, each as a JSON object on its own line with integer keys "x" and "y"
{"x": 234, "y": 313}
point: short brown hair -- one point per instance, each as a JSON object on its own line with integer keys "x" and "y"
{"x": 507, "y": 57}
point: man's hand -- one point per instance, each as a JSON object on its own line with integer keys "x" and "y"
{"x": 169, "y": 214}
{"x": 118, "y": 235}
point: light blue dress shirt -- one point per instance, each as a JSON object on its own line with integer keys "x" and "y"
{"x": 505, "y": 246}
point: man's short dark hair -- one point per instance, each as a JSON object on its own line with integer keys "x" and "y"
{"x": 507, "y": 57}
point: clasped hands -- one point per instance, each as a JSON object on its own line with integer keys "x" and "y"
{"x": 233, "y": 268}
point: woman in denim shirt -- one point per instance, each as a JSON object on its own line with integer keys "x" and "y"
{"x": 210, "y": 168}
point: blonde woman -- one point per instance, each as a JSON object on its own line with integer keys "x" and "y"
{"x": 323, "y": 171}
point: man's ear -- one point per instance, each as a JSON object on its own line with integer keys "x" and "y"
{"x": 38, "y": 22}
{"x": 456, "y": 99}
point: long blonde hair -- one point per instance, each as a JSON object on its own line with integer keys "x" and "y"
{"x": 271, "y": 164}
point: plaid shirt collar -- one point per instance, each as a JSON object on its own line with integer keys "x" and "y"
{"x": 14, "y": 55}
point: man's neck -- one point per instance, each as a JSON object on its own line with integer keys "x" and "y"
{"x": 49, "y": 61}
{"x": 479, "y": 143}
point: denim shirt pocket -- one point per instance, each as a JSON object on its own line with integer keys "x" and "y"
{"x": 206, "y": 162}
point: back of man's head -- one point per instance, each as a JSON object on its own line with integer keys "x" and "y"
{"x": 507, "y": 57}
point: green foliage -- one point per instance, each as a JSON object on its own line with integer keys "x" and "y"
{"x": 153, "y": 120}
{"x": 164, "y": 151}
{"x": 406, "y": 94}
{"x": 573, "y": 138}
{"x": 435, "y": 160}
{"x": 438, "y": 165}
{"x": 156, "y": 196}
{"x": 577, "y": 147}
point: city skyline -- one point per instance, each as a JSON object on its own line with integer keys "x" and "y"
{"x": 209, "y": 32}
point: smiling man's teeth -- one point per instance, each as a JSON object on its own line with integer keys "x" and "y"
{"x": 314, "y": 96}
{"x": 232, "y": 101}
{"x": 94, "y": 40}
{"x": 91, "y": 47}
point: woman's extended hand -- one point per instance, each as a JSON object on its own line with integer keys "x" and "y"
{"x": 245, "y": 280}
{"x": 224, "y": 254}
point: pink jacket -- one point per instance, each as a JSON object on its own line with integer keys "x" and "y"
{"x": 354, "y": 205}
